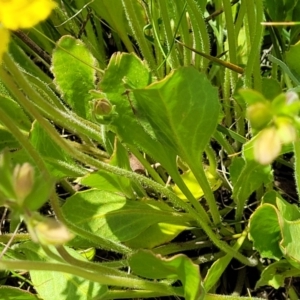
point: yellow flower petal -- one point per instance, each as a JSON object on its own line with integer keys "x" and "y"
{"x": 4, "y": 41}
{"x": 15, "y": 14}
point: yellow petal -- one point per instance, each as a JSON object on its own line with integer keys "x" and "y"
{"x": 15, "y": 14}
{"x": 4, "y": 41}
{"x": 267, "y": 146}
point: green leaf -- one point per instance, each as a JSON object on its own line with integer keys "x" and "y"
{"x": 182, "y": 115}
{"x": 193, "y": 185}
{"x": 54, "y": 285}
{"x": 146, "y": 264}
{"x": 101, "y": 180}
{"x": 155, "y": 235}
{"x": 254, "y": 174}
{"x": 265, "y": 231}
{"x": 126, "y": 70}
{"x": 72, "y": 66}
{"x": 275, "y": 274}
{"x": 8, "y": 292}
{"x": 114, "y": 217}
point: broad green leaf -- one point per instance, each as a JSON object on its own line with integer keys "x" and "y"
{"x": 72, "y": 66}
{"x": 193, "y": 185}
{"x": 56, "y": 285}
{"x": 9, "y": 292}
{"x": 146, "y": 264}
{"x": 126, "y": 70}
{"x": 155, "y": 235}
{"x": 114, "y": 217}
{"x": 59, "y": 163}
{"x": 275, "y": 274}
{"x": 182, "y": 116}
{"x": 265, "y": 231}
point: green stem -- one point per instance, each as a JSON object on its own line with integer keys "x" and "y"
{"x": 201, "y": 38}
{"x": 105, "y": 279}
{"x": 231, "y": 40}
{"x": 169, "y": 36}
{"x": 23, "y": 140}
{"x": 133, "y": 294}
{"x": 20, "y": 237}
{"x": 66, "y": 119}
{"x": 136, "y": 25}
{"x": 254, "y": 17}
{"x": 94, "y": 267}
{"x": 211, "y": 156}
{"x": 297, "y": 165}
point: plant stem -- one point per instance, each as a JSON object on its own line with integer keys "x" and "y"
{"x": 102, "y": 278}
{"x": 297, "y": 165}
{"x": 231, "y": 40}
{"x": 132, "y": 294}
{"x": 254, "y": 17}
{"x": 136, "y": 25}
{"x": 23, "y": 140}
{"x": 95, "y": 267}
{"x": 201, "y": 39}
{"x": 64, "y": 118}
{"x": 174, "y": 61}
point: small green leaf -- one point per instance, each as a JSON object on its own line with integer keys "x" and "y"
{"x": 72, "y": 66}
{"x": 265, "y": 231}
{"x": 275, "y": 274}
{"x": 146, "y": 264}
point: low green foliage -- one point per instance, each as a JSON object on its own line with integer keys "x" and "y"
{"x": 155, "y": 136}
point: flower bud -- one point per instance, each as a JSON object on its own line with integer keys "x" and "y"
{"x": 102, "y": 107}
{"x": 48, "y": 231}
{"x": 291, "y": 97}
{"x": 286, "y": 130}
{"x": 23, "y": 180}
{"x": 259, "y": 115}
{"x": 267, "y": 146}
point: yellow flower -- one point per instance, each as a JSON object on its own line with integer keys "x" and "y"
{"x": 18, "y": 14}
